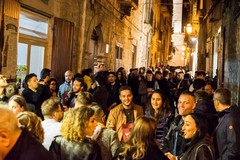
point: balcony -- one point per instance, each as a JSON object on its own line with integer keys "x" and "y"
{"x": 126, "y": 6}
{"x": 133, "y": 4}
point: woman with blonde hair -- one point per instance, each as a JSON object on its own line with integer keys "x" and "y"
{"x": 73, "y": 144}
{"x": 141, "y": 143}
{"x": 32, "y": 123}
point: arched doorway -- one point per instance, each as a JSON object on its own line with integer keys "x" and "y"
{"x": 96, "y": 49}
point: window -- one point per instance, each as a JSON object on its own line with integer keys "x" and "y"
{"x": 148, "y": 12}
{"x": 134, "y": 55}
{"x": 118, "y": 57}
{"x": 33, "y": 25}
{"x": 33, "y": 33}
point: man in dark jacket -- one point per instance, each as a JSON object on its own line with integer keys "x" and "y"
{"x": 228, "y": 130}
{"x": 34, "y": 94}
{"x": 43, "y": 83}
{"x": 165, "y": 85}
{"x": 113, "y": 90}
{"x": 174, "y": 141}
{"x": 17, "y": 144}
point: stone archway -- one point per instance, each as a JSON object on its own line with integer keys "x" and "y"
{"x": 95, "y": 50}
{"x": 93, "y": 41}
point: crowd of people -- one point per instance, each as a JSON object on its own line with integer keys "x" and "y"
{"x": 147, "y": 114}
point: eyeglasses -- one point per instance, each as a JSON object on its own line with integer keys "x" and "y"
{"x": 53, "y": 84}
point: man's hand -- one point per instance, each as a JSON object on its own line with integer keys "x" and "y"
{"x": 42, "y": 82}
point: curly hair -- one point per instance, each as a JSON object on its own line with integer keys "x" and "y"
{"x": 142, "y": 135}
{"x": 32, "y": 123}
{"x": 164, "y": 110}
{"x": 76, "y": 121}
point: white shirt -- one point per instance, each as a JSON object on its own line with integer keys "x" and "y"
{"x": 51, "y": 129}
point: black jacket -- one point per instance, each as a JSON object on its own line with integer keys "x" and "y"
{"x": 153, "y": 152}
{"x": 228, "y": 134}
{"x": 35, "y": 98}
{"x": 28, "y": 148}
{"x": 203, "y": 150}
{"x": 63, "y": 149}
{"x": 174, "y": 136}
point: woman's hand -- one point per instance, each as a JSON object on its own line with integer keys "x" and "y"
{"x": 170, "y": 156}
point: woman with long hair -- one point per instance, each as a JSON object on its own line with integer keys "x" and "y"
{"x": 32, "y": 123}
{"x": 198, "y": 146}
{"x": 74, "y": 143}
{"x": 141, "y": 143}
{"x": 53, "y": 87}
{"x": 158, "y": 108}
{"x": 120, "y": 78}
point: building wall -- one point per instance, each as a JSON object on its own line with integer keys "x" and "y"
{"x": 112, "y": 28}
{"x": 162, "y": 31}
{"x": 220, "y": 32}
{"x": 10, "y": 33}
{"x": 177, "y": 36}
{"x": 127, "y": 31}
{"x": 86, "y": 15}
{"x": 231, "y": 48}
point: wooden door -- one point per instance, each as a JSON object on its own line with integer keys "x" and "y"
{"x": 62, "y": 48}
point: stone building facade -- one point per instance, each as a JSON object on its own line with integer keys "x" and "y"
{"x": 219, "y": 39}
{"x": 161, "y": 46}
{"x": 116, "y": 33}
{"x": 85, "y": 33}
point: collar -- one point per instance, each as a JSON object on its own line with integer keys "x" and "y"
{"x": 225, "y": 111}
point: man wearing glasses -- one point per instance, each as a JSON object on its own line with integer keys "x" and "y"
{"x": 227, "y": 132}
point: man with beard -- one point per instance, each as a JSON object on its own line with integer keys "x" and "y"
{"x": 122, "y": 116}
{"x": 65, "y": 87}
{"x": 77, "y": 88}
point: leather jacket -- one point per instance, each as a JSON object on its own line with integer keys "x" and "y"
{"x": 203, "y": 150}
{"x": 63, "y": 149}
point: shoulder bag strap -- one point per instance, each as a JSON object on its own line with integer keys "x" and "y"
{"x": 211, "y": 152}
{"x": 218, "y": 125}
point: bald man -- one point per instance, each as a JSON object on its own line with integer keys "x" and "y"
{"x": 16, "y": 143}
{"x": 174, "y": 142}
{"x": 65, "y": 87}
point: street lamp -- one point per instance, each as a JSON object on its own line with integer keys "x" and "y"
{"x": 189, "y": 28}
